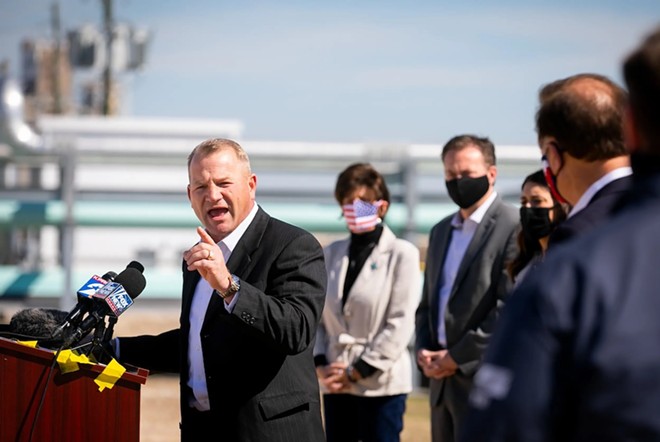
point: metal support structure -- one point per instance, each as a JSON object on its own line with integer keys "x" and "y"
{"x": 410, "y": 196}
{"x": 108, "y": 30}
{"x": 57, "y": 57}
{"x": 67, "y": 189}
{"x": 297, "y": 178}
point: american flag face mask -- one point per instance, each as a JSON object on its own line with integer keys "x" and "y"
{"x": 361, "y": 216}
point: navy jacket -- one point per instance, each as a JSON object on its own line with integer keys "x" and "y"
{"x": 576, "y": 355}
{"x": 598, "y": 210}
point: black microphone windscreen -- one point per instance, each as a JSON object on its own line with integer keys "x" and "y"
{"x": 136, "y": 265}
{"x": 132, "y": 280}
{"x": 36, "y": 322}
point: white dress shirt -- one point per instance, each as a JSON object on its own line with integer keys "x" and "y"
{"x": 200, "y": 303}
{"x": 462, "y": 233}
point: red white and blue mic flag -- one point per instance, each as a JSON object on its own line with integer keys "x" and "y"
{"x": 361, "y": 216}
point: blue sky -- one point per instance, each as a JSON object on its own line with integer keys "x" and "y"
{"x": 358, "y": 71}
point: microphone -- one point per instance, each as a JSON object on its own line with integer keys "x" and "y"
{"x": 35, "y": 322}
{"x": 94, "y": 284}
{"x": 85, "y": 301}
{"x": 112, "y": 300}
{"x": 104, "y": 335}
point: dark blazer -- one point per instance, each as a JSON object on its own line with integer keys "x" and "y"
{"x": 479, "y": 292}
{"x": 598, "y": 209}
{"x": 258, "y": 359}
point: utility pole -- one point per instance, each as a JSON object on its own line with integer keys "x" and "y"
{"x": 108, "y": 28}
{"x": 56, "y": 57}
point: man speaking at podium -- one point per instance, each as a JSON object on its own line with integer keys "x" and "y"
{"x": 253, "y": 292}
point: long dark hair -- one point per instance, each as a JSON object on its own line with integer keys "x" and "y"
{"x": 527, "y": 247}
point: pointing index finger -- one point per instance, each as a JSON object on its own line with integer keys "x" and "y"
{"x": 204, "y": 236}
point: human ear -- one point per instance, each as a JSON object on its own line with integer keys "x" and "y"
{"x": 382, "y": 210}
{"x": 492, "y": 174}
{"x": 553, "y": 155}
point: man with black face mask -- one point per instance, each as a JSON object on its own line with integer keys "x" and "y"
{"x": 465, "y": 280}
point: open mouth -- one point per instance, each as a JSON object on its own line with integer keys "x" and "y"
{"x": 217, "y": 213}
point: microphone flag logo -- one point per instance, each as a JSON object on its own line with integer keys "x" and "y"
{"x": 92, "y": 286}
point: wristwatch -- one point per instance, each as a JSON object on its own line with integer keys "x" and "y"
{"x": 234, "y": 287}
{"x": 350, "y": 373}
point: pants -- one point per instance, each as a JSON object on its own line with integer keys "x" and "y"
{"x": 200, "y": 426}
{"x": 449, "y": 409}
{"x": 351, "y": 418}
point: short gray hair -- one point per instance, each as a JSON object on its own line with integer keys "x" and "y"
{"x": 207, "y": 147}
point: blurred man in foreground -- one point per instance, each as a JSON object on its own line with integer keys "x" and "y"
{"x": 575, "y": 357}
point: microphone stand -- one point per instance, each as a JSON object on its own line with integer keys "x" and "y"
{"x": 112, "y": 320}
{"x": 97, "y": 339}
{"x": 101, "y": 340}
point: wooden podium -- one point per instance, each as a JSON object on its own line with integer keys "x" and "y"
{"x": 73, "y": 409}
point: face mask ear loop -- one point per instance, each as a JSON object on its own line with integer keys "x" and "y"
{"x": 378, "y": 205}
{"x": 551, "y": 179}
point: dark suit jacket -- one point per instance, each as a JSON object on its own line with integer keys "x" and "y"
{"x": 598, "y": 209}
{"x": 258, "y": 359}
{"x": 479, "y": 292}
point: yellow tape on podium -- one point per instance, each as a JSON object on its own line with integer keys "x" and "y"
{"x": 68, "y": 361}
{"x": 111, "y": 374}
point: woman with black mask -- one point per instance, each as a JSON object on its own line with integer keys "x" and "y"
{"x": 540, "y": 213}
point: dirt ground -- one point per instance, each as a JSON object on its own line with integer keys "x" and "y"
{"x": 159, "y": 419}
{"x": 159, "y": 414}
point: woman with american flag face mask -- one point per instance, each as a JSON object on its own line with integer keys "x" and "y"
{"x": 374, "y": 282}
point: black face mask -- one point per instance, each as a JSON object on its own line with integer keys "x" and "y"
{"x": 466, "y": 191}
{"x": 536, "y": 222}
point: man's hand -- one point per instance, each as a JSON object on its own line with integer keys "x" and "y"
{"x": 206, "y": 257}
{"x": 436, "y": 364}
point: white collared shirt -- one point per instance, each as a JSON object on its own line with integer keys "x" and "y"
{"x": 461, "y": 236}
{"x": 603, "y": 181}
{"x": 200, "y": 303}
